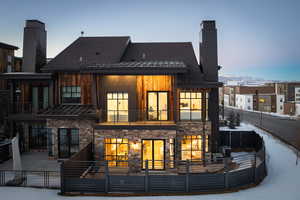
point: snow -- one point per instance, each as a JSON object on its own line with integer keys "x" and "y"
{"x": 282, "y": 182}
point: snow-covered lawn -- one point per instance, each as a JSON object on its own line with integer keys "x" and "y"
{"x": 282, "y": 182}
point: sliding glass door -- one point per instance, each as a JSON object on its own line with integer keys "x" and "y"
{"x": 153, "y": 151}
{"x": 157, "y": 105}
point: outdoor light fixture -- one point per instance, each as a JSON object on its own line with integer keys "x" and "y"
{"x": 135, "y": 145}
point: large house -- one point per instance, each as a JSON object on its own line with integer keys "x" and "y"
{"x": 132, "y": 101}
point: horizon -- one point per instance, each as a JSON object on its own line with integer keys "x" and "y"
{"x": 254, "y": 38}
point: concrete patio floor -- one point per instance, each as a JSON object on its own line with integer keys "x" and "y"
{"x": 33, "y": 161}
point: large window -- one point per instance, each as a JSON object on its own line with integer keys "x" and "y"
{"x": 71, "y": 94}
{"x": 157, "y": 105}
{"x": 191, "y": 147}
{"x": 116, "y": 151}
{"x": 68, "y": 139}
{"x": 190, "y": 105}
{"x": 117, "y": 107}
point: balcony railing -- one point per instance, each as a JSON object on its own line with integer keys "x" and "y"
{"x": 153, "y": 117}
{"x": 28, "y": 107}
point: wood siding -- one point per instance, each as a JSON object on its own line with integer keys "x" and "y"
{"x": 155, "y": 83}
{"x": 82, "y": 80}
{"x": 4, "y": 53}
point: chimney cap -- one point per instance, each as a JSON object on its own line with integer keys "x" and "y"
{"x": 208, "y": 24}
{"x": 34, "y": 23}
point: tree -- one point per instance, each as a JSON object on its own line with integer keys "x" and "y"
{"x": 231, "y": 120}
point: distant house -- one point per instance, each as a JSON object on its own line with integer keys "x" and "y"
{"x": 145, "y": 101}
{"x": 260, "y": 98}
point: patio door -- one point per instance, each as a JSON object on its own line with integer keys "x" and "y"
{"x": 153, "y": 151}
{"x": 68, "y": 142}
{"x": 157, "y": 105}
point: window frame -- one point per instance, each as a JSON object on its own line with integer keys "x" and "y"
{"x": 191, "y": 150}
{"x": 74, "y": 98}
{"x": 203, "y": 105}
{"x": 117, "y": 110}
{"x": 114, "y": 161}
{"x": 69, "y": 141}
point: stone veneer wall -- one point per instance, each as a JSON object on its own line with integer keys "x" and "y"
{"x": 135, "y": 139}
{"x": 190, "y": 128}
{"x": 135, "y": 143}
{"x": 85, "y": 131}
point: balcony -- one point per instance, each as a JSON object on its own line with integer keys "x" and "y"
{"x": 27, "y": 107}
{"x": 136, "y": 118}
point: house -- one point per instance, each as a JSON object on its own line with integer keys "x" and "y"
{"x": 7, "y": 60}
{"x": 260, "y": 98}
{"x": 132, "y": 101}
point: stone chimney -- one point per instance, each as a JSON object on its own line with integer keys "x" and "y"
{"x": 209, "y": 50}
{"x": 34, "y": 46}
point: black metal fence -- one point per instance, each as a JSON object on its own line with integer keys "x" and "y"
{"x": 25, "y": 178}
{"x": 217, "y": 174}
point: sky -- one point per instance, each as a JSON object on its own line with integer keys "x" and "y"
{"x": 259, "y": 38}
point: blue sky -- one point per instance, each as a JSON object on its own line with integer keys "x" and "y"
{"x": 258, "y": 38}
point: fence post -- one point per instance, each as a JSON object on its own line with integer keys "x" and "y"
{"x": 297, "y": 157}
{"x": 146, "y": 176}
{"x": 187, "y": 174}
{"x": 62, "y": 181}
{"x": 106, "y": 176}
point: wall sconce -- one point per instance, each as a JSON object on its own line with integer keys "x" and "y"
{"x": 135, "y": 145}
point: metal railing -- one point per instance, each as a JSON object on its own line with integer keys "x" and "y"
{"x": 153, "y": 116}
{"x": 26, "y": 178}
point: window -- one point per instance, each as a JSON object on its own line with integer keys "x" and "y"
{"x": 116, "y": 151}
{"x": 172, "y": 152}
{"x": 71, "y": 94}
{"x": 280, "y": 107}
{"x": 190, "y": 105}
{"x": 191, "y": 147}
{"x": 68, "y": 139}
{"x": 249, "y": 100}
{"x": 249, "y": 107}
{"x": 157, "y": 105}
{"x": 117, "y": 107}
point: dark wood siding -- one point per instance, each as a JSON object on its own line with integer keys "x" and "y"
{"x": 82, "y": 80}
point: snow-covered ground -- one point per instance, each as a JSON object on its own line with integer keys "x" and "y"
{"x": 282, "y": 182}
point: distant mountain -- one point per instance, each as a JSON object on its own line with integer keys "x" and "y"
{"x": 242, "y": 80}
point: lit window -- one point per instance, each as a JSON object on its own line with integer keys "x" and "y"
{"x": 117, "y": 107}
{"x": 116, "y": 151}
{"x": 172, "y": 152}
{"x": 191, "y": 147}
{"x": 9, "y": 58}
{"x": 71, "y": 94}
{"x": 191, "y": 105}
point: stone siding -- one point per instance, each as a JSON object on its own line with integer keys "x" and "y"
{"x": 135, "y": 143}
{"x": 85, "y": 131}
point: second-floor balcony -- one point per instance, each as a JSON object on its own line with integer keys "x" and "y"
{"x": 27, "y": 107}
{"x": 151, "y": 117}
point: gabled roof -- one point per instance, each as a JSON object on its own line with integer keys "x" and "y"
{"x": 171, "y": 51}
{"x": 89, "y": 51}
{"x": 8, "y": 46}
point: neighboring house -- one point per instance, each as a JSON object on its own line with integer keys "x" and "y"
{"x": 291, "y": 92}
{"x": 7, "y": 61}
{"x": 140, "y": 101}
{"x": 259, "y": 98}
